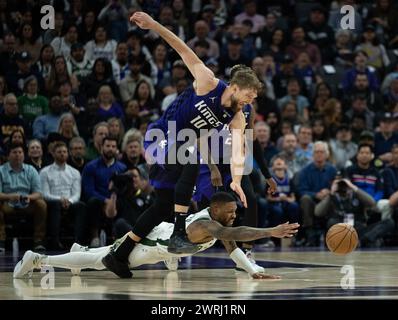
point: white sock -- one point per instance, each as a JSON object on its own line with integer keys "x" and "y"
{"x": 76, "y": 260}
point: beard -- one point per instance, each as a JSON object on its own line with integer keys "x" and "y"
{"x": 109, "y": 155}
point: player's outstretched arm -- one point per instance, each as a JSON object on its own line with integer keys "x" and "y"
{"x": 216, "y": 230}
{"x": 205, "y": 79}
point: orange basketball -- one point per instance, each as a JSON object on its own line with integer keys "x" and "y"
{"x": 341, "y": 238}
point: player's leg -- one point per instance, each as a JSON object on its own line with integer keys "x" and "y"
{"x": 71, "y": 260}
{"x": 162, "y": 209}
{"x": 184, "y": 187}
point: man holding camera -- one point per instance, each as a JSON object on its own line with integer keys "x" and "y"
{"x": 348, "y": 203}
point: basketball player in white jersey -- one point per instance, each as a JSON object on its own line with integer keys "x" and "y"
{"x": 203, "y": 230}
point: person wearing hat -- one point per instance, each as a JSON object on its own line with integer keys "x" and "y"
{"x": 233, "y": 55}
{"x": 320, "y": 33}
{"x": 77, "y": 63}
{"x": 385, "y": 138}
{"x": 376, "y": 51}
{"x": 16, "y": 78}
{"x": 343, "y": 149}
{"x": 202, "y": 33}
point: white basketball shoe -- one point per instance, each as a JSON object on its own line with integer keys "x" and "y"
{"x": 27, "y": 264}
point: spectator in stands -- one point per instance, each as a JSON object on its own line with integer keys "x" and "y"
{"x": 315, "y": 181}
{"x": 27, "y": 41}
{"x": 250, "y": 13}
{"x": 115, "y": 14}
{"x": 132, "y": 115}
{"x": 281, "y": 78}
{"x": 346, "y": 198}
{"x": 3, "y": 91}
{"x": 10, "y": 119}
{"x": 47, "y": 123}
{"x": 129, "y": 84}
{"x": 322, "y": 94}
{"x": 35, "y": 155}
{"x": 385, "y": 138}
{"x": 168, "y": 85}
{"x": 202, "y": 34}
{"x": 18, "y": 137}
{"x": 132, "y": 151}
{"x": 361, "y": 87}
{"x": 149, "y": 108}
{"x": 160, "y": 64}
{"x": 51, "y": 34}
{"x": 262, "y": 132}
{"x": 293, "y": 94}
{"x": 319, "y": 131}
{"x": 391, "y": 95}
{"x": 364, "y": 175}
{"x": 20, "y": 193}
{"x": 337, "y": 15}
{"x": 299, "y": 44}
{"x": 31, "y": 104}
{"x": 305, "y": 71}
{"x": 62, "y": 45}
{"x": 101, "y": 46}
{"x": 61, "y": 187}
{"x": 108, "y": 106}
{"x": 116, "y": 130}
{"x": 95, "y": 179}
{"x": 320, "y": 33}
{"x": 360, "y": 66}
{"x": 16, "y": 78}
{"x": 46, "y": 61}
{"x": 343, "y": 149}
{"x": 304, "y": 150}
{"x": 88, "y": 26}
{"x": 180, "y": 86}
{"x": 100, "y": 131}
{"x": 78, "y": 64}
{"x": 288, "y": 154}
{"x": 120, "y": 66}
{"x": 77, "y": 154}
{"x": 67, "y": 127}
{"x": 101, "y": 75}
{"x": 8, "y": 54}
{"x": 343, "y": 49}
{"x": 377, "y": 54}
{"x": 389, "y": 205}
{"x": 59, "y": 74}
{"x": 232, "y": 56}
{"x": 359, "y": 106}
{"x": 282, "y": 205}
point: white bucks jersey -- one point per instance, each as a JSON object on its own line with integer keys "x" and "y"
{"x": 160, "y": 235}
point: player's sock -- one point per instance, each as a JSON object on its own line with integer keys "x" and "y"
{"x": 124, "y": 249}
{"x": 73, "y": 260}
{"x": 179, "y": 227}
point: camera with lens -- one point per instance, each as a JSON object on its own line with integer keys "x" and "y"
{"x": 122, "y": 184}
{"x": 342, "y": 188}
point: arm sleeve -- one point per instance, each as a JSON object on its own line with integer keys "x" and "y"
{"x": 259, "y": 157}
{"x": 76, "y": 188}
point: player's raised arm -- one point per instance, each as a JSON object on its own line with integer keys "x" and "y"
{"x": 205, "y": 79}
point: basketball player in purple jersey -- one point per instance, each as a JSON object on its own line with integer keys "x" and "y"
{"x": 210, "y": 103}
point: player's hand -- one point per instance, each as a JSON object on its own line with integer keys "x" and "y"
{"x": 238, "y": 189}
{"x": 216, "y": 178}
{"x": 272, "y": 186}
{"x": 261, "y": 275}
{"x": 143, "y": 20}
{"x": 285, "y": 230}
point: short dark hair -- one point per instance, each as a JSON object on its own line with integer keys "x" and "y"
{"x": 59, "y": 144}
{"x": 222, "y": 197}
{"x": 365, "y": 145}
{"x": 13, "y": 146}
{"x": 109, "y": 138}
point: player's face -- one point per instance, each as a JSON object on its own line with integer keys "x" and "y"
{"x": 227, "y": 214}
{"x": 241, "y": 97}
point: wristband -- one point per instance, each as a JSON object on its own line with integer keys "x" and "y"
{"x": 239, "y": 257}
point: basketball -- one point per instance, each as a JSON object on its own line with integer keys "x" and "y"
{"x": 341, "y": 238}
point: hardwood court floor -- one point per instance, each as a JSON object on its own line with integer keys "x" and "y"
{"x": 210, "y": 275}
